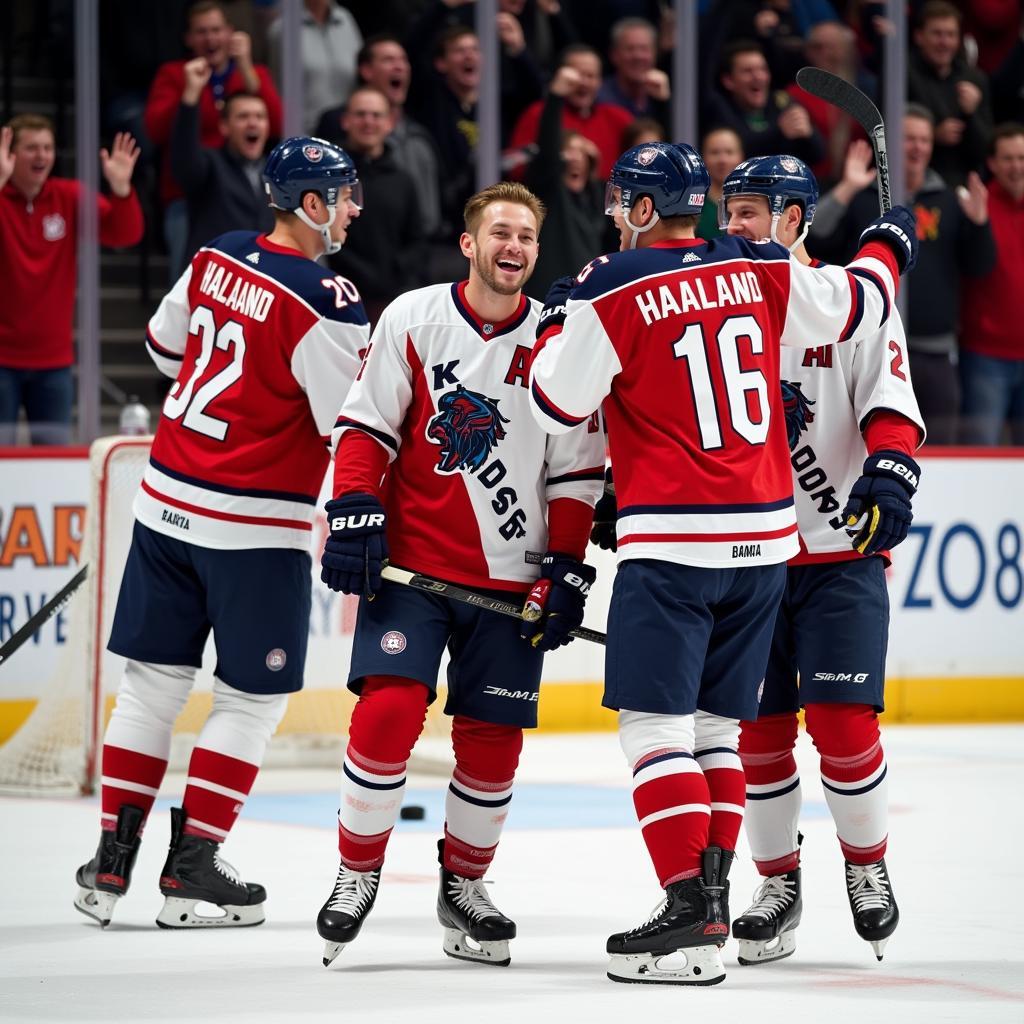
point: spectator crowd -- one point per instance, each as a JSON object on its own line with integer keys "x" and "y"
{"x": 396, "y": 83}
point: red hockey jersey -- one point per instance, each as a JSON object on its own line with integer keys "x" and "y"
{"x": 264, "y": 344}
{"x": 680, "y": 341}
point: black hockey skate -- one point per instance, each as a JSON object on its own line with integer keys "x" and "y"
{"x": 767, "y": 928}
{"x": 875, "y": 914}
{"x": 474, "y": 928}
{"x": 105, "y": 879}
{"x": 193, "y": 874}
{"x": 680, "y": 943}
{"x": 346, "y": 909}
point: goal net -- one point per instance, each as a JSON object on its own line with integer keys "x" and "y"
{"x": 56, "y": 750}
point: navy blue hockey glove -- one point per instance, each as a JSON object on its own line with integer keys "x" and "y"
{"x": 553, "y": 313}
{"x": 606, "y": 514}
{"x": 878, "y": 514}
{"x": 898, "y": 229}
{"x": 357, "y": 548}
{"x": 555, "y": 604}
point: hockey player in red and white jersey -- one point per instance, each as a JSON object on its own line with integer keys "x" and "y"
{"x": 263, "y": 344}
{"x": 679, "y": 339}
{"x": 853, "y": 423}
{"x": 442, "y": 469}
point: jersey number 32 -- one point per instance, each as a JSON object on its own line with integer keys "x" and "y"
{"x": 189, "y": 401}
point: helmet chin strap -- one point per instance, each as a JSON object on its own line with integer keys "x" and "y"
{"x": 637, "y": 232}
{"x": 331, "y": 246}
{"x": 797, "y": 242}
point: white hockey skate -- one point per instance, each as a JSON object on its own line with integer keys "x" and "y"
{"x": 767, "y": 928}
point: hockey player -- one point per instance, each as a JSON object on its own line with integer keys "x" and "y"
{"x": 679, "y": 339}
{"x": 852, "y": 422}
{"x": 263, "y": 344}
{"x": 441, "y": 468}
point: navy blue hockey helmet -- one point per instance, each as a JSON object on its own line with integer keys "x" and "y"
{"x": 304, "y": 164}
{"x": 674, "y": 176}
{"x": 782, "y": 180}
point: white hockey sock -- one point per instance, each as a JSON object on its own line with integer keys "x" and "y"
{"x": 475, "y": 813}
{"x": 371, "y": 798}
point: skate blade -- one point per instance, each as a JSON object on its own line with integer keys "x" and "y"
{"x": 879, "y": 946}
{"x": 96, "y": 904}
{"x": 178, "y": 912}
{"x": 695, "y": 965}
{"x": 757, "y": 951}
{"x": 331, "y": 951}
{"x": 460, "y": 946}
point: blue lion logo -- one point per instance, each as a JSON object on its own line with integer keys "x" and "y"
{"x": 797, "y": 407}
{"x": 467, "y": 426}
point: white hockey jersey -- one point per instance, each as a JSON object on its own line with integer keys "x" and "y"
{"x": 829, "y": 393}
{"x": 470, "y": 471}
{"x": 264, "y": 344}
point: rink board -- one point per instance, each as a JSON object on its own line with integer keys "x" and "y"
{"x": 956, "y": 590}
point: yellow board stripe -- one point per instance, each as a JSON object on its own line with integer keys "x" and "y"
{"x": 576, "y": 707}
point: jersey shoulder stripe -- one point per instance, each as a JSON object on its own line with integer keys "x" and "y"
{"x": 873, "y": 278}
{"x": 302, "y": 278}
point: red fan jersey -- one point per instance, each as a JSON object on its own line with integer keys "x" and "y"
{"x": 263, "y": 344}
{"x": 680, "y": 341}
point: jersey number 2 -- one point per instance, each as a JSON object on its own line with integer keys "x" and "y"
{"x": 740, "y": 385}
{"x": 191, "y": 402}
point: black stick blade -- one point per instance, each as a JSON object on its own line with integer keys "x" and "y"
{"x": 840, "y": 93}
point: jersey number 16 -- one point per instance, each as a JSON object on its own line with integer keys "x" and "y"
{"x": 743, "y": 388}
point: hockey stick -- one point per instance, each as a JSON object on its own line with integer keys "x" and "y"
{"x": 852, "y": 101}
{"x": 491, "y": 604}
{"x": 34, "y": 624}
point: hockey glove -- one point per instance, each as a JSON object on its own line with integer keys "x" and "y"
{"x": 602, "y": 533}
{"x": 553, "y": 313}
{"x": 357, "y": 548}
{"x": 898, "y": 229}
{"x": 878, "y": 514}
{"x": 555, "y": 604}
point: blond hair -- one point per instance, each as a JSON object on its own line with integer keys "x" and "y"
{"x": 29, "y": 123}
{"x": 502, "y": 192}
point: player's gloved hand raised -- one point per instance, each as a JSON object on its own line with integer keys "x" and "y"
{"x": 606, "y": 512}
{"x": 898, "y": 230}
{"x": 555, "y": 603}
{"x": 553, "y": 313}
{"x": 357, "y": 548}
{"x": 878, "y": 514}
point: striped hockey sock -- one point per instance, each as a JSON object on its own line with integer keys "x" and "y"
{"x": 773, "y": 792}
{"x": 854, "y": 776}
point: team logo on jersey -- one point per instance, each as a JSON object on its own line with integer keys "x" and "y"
{"x": 54, "y": 227}
{"x": 393, "y": 642}
{"x": 276, "y": 659}
{"x": 253, "y": 258}
{"x": 314, "y": 154}
{"x": 797, "y": 407}
{"x": 468, "y": 427}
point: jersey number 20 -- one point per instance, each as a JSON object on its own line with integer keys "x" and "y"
{"x": 740, "y": 384}
{"x": 191, "y": 401}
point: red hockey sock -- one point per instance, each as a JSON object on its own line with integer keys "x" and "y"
{"x": 673, "y": 805}
{"x": 853, "y": 773}
{"x": 386, "y": 722}
{"x": 217, "y": 787}
{"x": 773, "y": 792}
{"x": 128, "y": 778}
{"x": 486, "y": 758}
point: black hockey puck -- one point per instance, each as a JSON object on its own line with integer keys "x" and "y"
{"x": 413, "y": 812}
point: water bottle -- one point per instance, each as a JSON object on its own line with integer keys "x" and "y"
{"x": 134, "y": 418}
